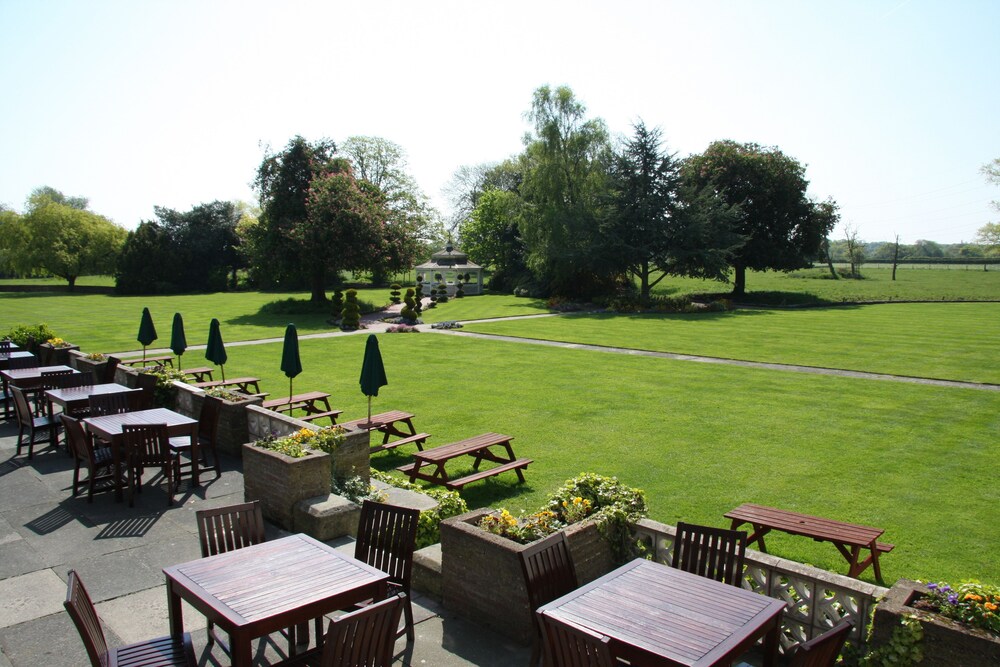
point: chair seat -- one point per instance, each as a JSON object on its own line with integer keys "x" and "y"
{"x": 159, "y": 652}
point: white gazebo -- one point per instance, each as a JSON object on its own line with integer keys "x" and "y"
{"x": 445, "y": 266}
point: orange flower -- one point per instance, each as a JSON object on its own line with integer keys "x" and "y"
{"x": 990, "y": 606}
{"x": 973, "y": 597}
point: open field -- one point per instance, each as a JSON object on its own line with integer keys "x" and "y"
{"x": 698, "y": 439}
{"x": 953, "y": 341}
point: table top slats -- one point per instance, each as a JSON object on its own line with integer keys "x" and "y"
{"x": 467, "y": 446}
{"x": 806, "y": 525}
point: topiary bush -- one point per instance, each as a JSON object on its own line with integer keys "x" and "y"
{"x": 418, "y": 298}
{"x": 337, "y": 305}
{"x": 394, "y": 293}
{"x": 442, "y": 293}
{"x": 409, "y": 312}
{"x": 351, "y": 318}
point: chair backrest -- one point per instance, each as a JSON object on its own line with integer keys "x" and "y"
{"x": 54, "y": 379}
{"x": 715, "y": 553}
{"x": 567, "y": 644}
{"x": 77, "y": 438}
{"x": 22, "y": 362}
{"x": 21, "y": 407}
{"x": 822, "y": 650}
{"x": 387, "y": 537}
{"x": 548, "y": 570}
{"x": 110, "y": 368}
{"x": 147, "y": 444}
{"x": 208, "y": 420}
{"x": 108, "y": 404}
{"x": 84, "y": 616}
{"x": 223, "y": 529}
{"x": 364, "y": 638}
{"x": 74, "y": 380}
{"x": 4, "y": 345}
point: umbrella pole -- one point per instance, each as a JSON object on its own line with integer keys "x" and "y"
{"x": 222, "y": 367}
{"x": 143, "y": 354}
{"x": 369, "y": 410}
{"x": 289, "y": 390}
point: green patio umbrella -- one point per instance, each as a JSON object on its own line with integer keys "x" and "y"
{"x": 147, "y": 332}
{"x": 291, "y": 365}
{"x": 215, "y": 350}
{"x": 178, "y": 342}
{"x": 372, "y": 372}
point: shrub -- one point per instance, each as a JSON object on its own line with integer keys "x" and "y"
{"x": 356, "y": 490}
{"x": 418, "y": 298}
{"x": 163, "y": 394}
{"x": 351, "y": 319}
{"x": 442, "y": 293}
{"x": 450, "y": 503}
{"x": 394, "y": 293}
{"x": 402, "y": 328}
{"x": 337, "y": 305}
{"x": 450, "y": 324}
{"x": 25, "y": 334}
{"x": 408, "y": 312}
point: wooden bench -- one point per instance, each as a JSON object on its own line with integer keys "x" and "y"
{"x": 849, "y": 538}
{"x": 391, "y": 424}
{"x": 161, "y": 360}
{"x": 247, "y": 385}
{"x": 478, "y": 447}
{"x": 199, "y": 374}
{"x": 316, "y": 405}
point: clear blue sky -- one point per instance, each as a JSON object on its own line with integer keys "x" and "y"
{"x": 892, "y": 104}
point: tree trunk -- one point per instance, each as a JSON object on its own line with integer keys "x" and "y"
{"x": 318, "y": 287}
{"x": 740, "y": 281}
{"x": 895, "y": 258}
{"x": 72, "y": 283}
{"x": 644, "y": 283}
{"x": 829, "y": 261}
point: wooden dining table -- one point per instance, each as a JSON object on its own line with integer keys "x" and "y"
{"x": 659, "y": 615}
{"x": 109, "y": 428}
{"x": 254, "y": 591}
{"x": 26, "y": 378}
{"x": 74, "y": 398}
{"x": 14, "y": 354}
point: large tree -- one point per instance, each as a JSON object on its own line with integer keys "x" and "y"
{"x": 282, "y": 184}
{"x": 58, "y": 235}
{"x": 492, "y": 238}
{"x": 565, "y": 181}
{"x": 205, "y": 244}
{"x": 782, "y": 228}
{"x": 146, "y": 262}
{"x": 657, "y": 227}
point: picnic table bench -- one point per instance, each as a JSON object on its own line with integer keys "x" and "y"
{"x": 247, "y": 385}
{"x": 849, "y": 538}
{"x": 477, "y": 447}
{"x": 386, "y": 423}
{"x": 316, "y": 405}
{"x": 199, "y": 374}
{"x": 160, "y": 360}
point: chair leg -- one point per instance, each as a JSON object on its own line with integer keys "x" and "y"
{"x": 408, "y": 622}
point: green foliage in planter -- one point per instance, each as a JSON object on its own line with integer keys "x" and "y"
{"x": 95, "y": 356}
{"x": 337, "y": 305}
{"x": 972, "y": 603}
{"x": 352, "y": 313}
{"x": 298, "y": 444}
{"x": 394, "y": 292}
{"x": 450, "y": 503}
{"x": 356, "y": 489}
{"x": 163, "y": 393}
{"x": 288, "y": 445}
{"x": 609, "y": 503}
{"x": 902, "y": 650}
{"x": 23, "y": 334}
{"x": 226, "y": 394}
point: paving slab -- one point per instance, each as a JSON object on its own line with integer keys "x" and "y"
{"x": 30, "y": 596}
{"x": 51, "y": 641}
{"x": 143, "y": 615}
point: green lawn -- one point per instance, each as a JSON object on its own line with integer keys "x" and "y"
{"x": 699, "y": 439}
{"x": 955, "y": 341}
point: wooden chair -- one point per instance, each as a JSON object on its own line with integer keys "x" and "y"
{"x": 108, "y": 404}
{"x": 548, "y": 574}
{"x": 714, "y": 553}
{"x": 208, "y": 429}
{"x": 160, "y": 652}
{"x": 49, "y": 380}
{"x": 5, "y": 346}
{"x": 147, "y": 384}
{"x": 99, "y": 460}
{"x": 149, "y": 445}
{"x": 822, "y": 651}
{"x": 22, "y": 362}
{"x": 570, "y": 645}
{"x": 387, "y": 538}
{"x": 110, "y": 369}
{"x": 362, "y": 638}
{"x": 39, "y": 429}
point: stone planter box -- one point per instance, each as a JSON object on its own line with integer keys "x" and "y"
{"x": 279, "y": 482}
{"x": 946, "y": 643}
{"x": 233, "y": 428}
{"x": 481, "y": 573}
{"x": 80, "y": 362}
{"x": 55, "y": 356}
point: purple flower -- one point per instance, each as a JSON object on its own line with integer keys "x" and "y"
{"x": 952, "y": 599}
{"x": 932, "y": 586}
{"x": 945, "y": 588}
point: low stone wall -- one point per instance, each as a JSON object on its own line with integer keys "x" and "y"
{"x": 279, "y": 482}
{"x": 481, "y": 574}
{"x": 233, "y": 428}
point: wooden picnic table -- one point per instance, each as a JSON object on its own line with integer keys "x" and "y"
{"x": 159, "y": 360}
{"x": 260, "y": 589}
{"x": 199, "y": 373}
{"x": 479, "y": 448}
{"x": 849, "y": 538}
{"x": 658, "y": 615}
{"x": 247, "y": 385}
{"x": 390, "y": 424}
{"x": 109, "y": 428}
{"x": 316, "y": 405}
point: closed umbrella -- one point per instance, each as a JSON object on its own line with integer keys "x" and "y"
{"x": 215, "y": 351}
{"x": 178, "y": 342}
{"x": 291, "y": 365}
{"x": 147, "y": 332}
{"x": 372, "y": 372}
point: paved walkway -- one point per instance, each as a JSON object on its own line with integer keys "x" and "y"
{"x": 120, "y": 553}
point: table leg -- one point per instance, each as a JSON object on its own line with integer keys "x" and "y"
{"x": 241, "y": 647}
{"x": 195, "y": 456}
{"x": 174, "y": 613}
{"x": 772, "y": 640}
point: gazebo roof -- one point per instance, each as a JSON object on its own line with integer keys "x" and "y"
{"x": 449, "y": 258}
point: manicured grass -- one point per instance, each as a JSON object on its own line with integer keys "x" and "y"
{"x": 699, "y": 439}
{"x": 954, "y": 341}
{"x": 808, "y": 286}
{"x": 59, "y": 283}
{"x": 484, "y": 306}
